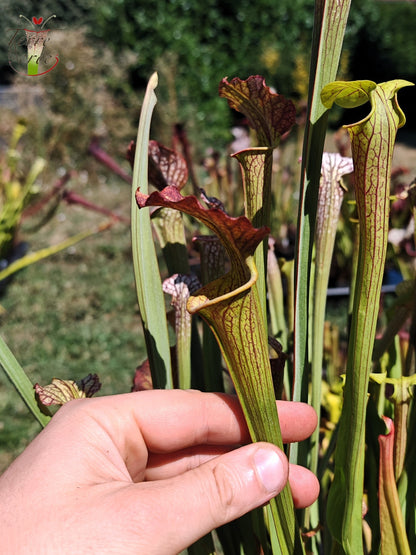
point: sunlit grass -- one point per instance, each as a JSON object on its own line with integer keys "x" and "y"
{"x": 72, "y": 314}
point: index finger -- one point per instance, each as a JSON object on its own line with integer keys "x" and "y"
{"x": 170, "y": 420}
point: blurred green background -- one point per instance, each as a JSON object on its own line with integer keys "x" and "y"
{"x": 193, "y": 45}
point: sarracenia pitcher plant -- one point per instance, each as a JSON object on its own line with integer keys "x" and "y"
{"x": 372, "y": 141}
{"x": 239, "y": 300}
{"x": 231, "y": 307}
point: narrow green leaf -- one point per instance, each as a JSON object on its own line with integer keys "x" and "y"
{"x": 36, "y": 256}
{"x": 21, "y": 382}
{"x": 328, "y": 34}
{"x": 146, "y": 269}
{"x": 278, "y": 324}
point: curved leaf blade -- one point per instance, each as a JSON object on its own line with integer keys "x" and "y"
{"x": 146, "y": 270}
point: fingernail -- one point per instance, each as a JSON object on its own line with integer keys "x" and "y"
{"x": 270, "y": 469}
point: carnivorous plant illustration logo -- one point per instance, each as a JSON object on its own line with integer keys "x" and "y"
{"x": 28, "y": 52}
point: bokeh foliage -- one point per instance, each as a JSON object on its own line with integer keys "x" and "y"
{"x": 193, "y": 45}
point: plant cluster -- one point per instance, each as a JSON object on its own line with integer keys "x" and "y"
{"x": 245, "y": 321}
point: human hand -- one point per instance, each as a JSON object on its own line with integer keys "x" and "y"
{"x": 147, "y": 472}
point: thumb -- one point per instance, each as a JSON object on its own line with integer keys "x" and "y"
{"x": 217, "y": 492}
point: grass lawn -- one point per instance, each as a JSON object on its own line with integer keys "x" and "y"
{"x": 72, "y": 314}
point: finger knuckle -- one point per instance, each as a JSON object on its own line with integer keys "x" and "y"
{"x": 227, "y": 488}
